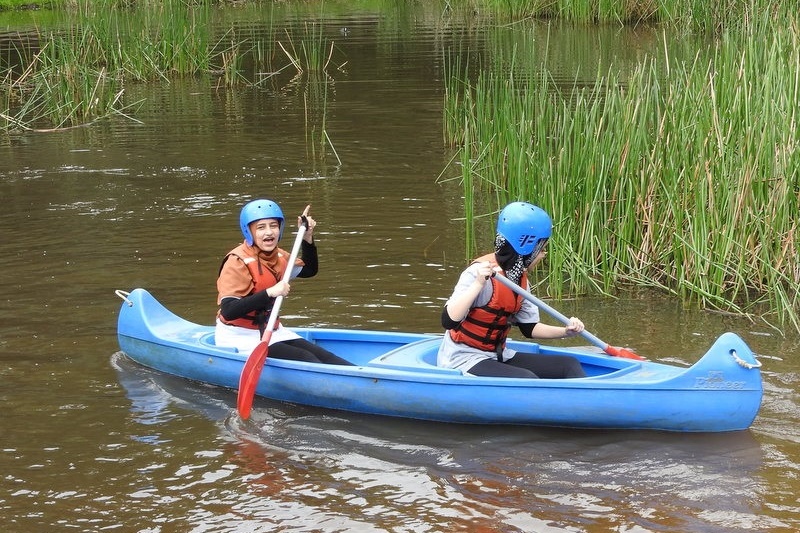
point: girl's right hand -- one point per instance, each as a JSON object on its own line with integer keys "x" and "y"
{"x": 484, "y": 272}
{"x": 279, "y": 289}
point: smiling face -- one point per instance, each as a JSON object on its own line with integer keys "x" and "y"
{"x": 266, "y": 233}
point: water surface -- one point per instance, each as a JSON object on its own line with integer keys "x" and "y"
{"x": 92, "y": 442}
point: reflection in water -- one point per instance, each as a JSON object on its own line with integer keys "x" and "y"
{"x": 309, "y": 468}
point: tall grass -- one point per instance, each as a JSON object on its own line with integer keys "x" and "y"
{"x": 689, "y": 15}
{"x": 80, "y": 72}
{"x": 686, "y": 176}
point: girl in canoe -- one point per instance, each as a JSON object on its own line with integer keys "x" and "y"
{"x": 481, "y": 310}
{"x": 250, "y": 279}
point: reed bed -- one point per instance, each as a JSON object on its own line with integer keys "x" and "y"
{"x": 690, "y": 15}
{"x": 80, "y": 73}
{"x": 684, "y": 176}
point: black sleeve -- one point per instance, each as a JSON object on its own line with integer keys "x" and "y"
{"x": 527, "y": 329}
{"x": 308, "y": 253}
{"x": 447, "y": 322}
{"x": 232, "y": 308}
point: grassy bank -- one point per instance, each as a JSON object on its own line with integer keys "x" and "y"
{"x": 76, "y": 72}
{"x": 685, "y": 177}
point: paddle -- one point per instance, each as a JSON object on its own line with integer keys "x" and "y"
{"x": 255, "y": 362}
{"x": 607, "y": 348}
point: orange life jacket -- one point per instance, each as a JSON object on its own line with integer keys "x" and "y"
{"x": 263, "y": 278}
{"x": 486, "y": 327}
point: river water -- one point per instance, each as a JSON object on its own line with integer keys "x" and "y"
{"x": 90, "y": 441}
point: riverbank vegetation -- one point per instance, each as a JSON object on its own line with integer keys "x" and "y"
{"x": 688, "y": 15}
{"x": 681, "y": 176}
{"x": 76, "y": 72}
{"x": 8, "y": 5}
{"x": 76, "y": 76}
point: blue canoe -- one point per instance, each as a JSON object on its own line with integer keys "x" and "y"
{"x": 396, "y": 375}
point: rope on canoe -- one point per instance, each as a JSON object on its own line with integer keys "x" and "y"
{"x": 124, "y": 295}
{"x": 741, "y": 362}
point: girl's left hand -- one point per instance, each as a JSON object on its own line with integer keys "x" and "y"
{"x": 310, "y": 224}
{"x": 574, "y": 327}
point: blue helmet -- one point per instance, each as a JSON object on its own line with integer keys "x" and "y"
{"x": 524, "y": 225}
{"x": 256, "y": 210}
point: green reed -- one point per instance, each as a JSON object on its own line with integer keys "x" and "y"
{"x": 685, "y": 177}
{"x": 311, "y": 53}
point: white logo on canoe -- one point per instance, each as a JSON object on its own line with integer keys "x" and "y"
{"x": 716, "y": 380}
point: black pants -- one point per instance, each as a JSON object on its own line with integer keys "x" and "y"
{"x": 303, "y": 350}
{"x": 530, "y": 365}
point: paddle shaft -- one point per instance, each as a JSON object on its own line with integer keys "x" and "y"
{"x": 251, "y": 372}
{"x": 273, "y": 315}
{"x": 555, "y": 314}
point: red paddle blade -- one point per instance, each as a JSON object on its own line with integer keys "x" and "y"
{"x": 251, "y": 372}
{"x": 622, "y": 352}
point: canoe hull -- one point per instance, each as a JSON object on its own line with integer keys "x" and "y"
{"x": 396, "y": 376}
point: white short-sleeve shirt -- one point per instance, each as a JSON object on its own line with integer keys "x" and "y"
{"x": 460, "y": 356}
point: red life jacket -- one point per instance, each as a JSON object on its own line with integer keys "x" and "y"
{"x": 486, "y": 327}
{"x": 263, "y": 278}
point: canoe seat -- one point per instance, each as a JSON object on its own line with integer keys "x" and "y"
{"x": 419, "y": 356}
{"x": 208, "y": 340}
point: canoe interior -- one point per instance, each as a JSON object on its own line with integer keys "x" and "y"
{"x": 384, "y": 349}
{"x": 417, "y": 351}
{"x": 421, "y": 351}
